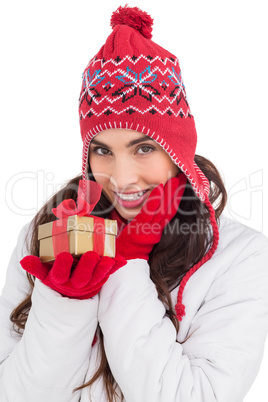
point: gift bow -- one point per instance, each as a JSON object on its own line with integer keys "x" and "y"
{"x": 87, "y": 190}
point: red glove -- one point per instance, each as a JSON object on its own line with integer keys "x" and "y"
{"x": 80, "y": 279}
{"x": 139, "y": 236}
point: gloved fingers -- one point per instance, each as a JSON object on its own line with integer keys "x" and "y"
{"x": 93, "y": 290}
{"x": 61, "y": 269}
{"x": 102, "y": 270}
{"x": 82, "y": 273}
{"x": 173, "y": 192}
{"x": 33, "y": 265}
{"x": 179, "y": 190}
{"x": 119, "y": 262}
{"x": 167, "y": 202}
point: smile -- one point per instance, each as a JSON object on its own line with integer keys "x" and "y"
{"x": 132, "y": 200}
{"x": 131, "y": 197}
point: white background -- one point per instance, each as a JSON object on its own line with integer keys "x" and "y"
{"x": 222, "y": 48}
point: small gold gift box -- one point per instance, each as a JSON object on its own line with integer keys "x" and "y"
{"x": 80, "y": 232}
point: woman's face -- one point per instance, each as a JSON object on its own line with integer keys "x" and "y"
{"x": 128, "y": 165}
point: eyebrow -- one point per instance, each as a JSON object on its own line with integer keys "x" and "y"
{"x": 130, "y": 144}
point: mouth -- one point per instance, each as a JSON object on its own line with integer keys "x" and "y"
{"x": 131, "y": 200}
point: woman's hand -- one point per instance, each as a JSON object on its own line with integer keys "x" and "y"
{"x": 138, "y": 237}
{"x": 80, "y": 279}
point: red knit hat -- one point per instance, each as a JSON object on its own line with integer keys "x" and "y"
{"x": 133, "y": 83}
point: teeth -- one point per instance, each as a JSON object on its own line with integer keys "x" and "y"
{"x": 131, "y": 197}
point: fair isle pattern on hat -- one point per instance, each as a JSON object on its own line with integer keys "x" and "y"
{"x": 118, "y": 80}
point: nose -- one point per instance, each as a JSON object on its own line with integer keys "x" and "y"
{"x": 124, "y": 175}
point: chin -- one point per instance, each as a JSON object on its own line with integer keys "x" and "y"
{"x": 128, "y": 215}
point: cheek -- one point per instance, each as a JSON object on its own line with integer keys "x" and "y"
{"x": 163, "y": 169}
{"x": 98, "y": 170}
{"x": 174, "y": 170}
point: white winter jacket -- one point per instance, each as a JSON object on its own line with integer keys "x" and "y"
{"x": 226, "y": 302}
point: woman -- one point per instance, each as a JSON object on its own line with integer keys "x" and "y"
{"x": 180, "y": 313}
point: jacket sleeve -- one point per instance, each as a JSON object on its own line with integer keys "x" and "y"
{"x": 221, "y": 359}
{"x": 51, "y": 357}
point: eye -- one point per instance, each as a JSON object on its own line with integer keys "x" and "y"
{"x": 100, "y": 151}
{"x": 146, "y": 149}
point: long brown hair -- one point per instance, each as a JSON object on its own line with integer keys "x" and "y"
{"x": 168, "y": 261}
